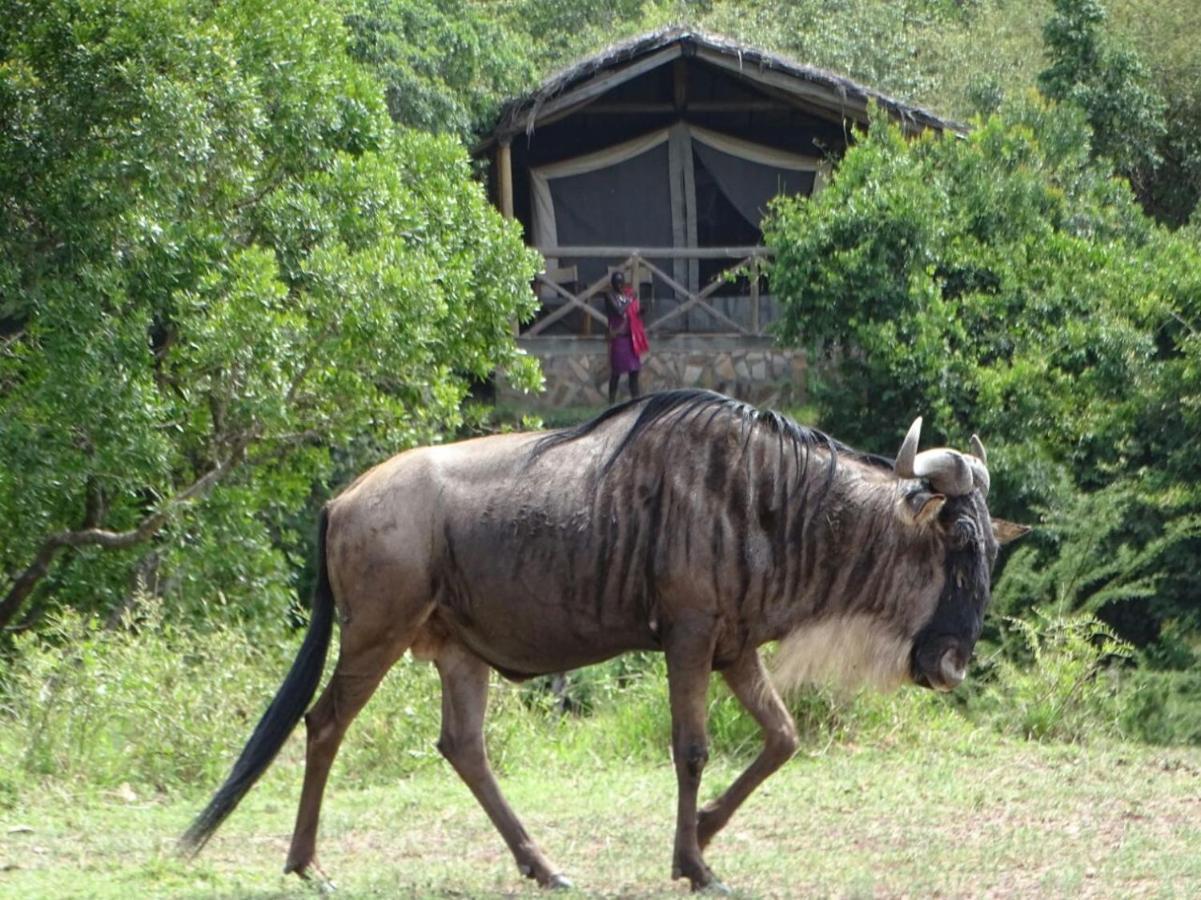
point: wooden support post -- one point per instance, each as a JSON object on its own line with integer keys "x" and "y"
{"x": 755, "y": 329}
{"x": 679, "y": 73}
{"x": 504, "y": 188}
{"x": 504, "y": 178}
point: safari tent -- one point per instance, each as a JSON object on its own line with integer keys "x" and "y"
{"x": 659, "y": 155}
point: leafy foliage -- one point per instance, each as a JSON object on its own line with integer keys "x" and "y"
{"x": 895, "y": 47}
{"x": 145, "y": 702}
{"x": 446, "y": 66}
{"x": 1004, "y": 283}
{"x": 218, "y": 259}
{"x": 1061, "y": 682}
{"x": 1162, "y": 707}
{"x": 953, "y": 275}
{"x": 164, "y": 707}
{"x": 1094, "y": 565}
{"x": 1109, "y": 83}
{"x": 157, "y": 706}
{"x": 556, "y": 32}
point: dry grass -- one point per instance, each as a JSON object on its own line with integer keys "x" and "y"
{"x": 982, "y": 818}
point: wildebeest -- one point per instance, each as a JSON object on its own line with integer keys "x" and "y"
{"x": 685, "y": 522}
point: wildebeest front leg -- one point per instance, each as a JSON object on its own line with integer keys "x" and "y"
{"x": 464, "y": 703}
{"x": 689, "y": 651}
{"x": 749, "y": 682}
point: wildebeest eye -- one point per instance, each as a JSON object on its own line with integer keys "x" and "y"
{"x": 962, "y": 534}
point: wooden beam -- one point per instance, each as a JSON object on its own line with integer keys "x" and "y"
{"x": 539, "y": 114}
{"x": 679, "y": 83}
{"x": 696, "y": 106}
{"x": 697, "y": 299}
{"x": 827, "y": 98}
{"x": 841, "y": 103}
{"x": 574, "y": 301}
{"x": 656, "y": 252}
{"x": 504, "y": 178}
{"x": 805, "y": 107}
{"x": 622, "y": 109}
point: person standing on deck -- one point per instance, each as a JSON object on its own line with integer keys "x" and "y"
{"x": 626, "y": 336}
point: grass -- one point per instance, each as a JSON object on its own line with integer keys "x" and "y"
{"x": 111, "y": 740}
{"x": 974, "y": 815}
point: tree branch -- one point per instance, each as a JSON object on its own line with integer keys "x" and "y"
{"x": 1187, "y": 325}
{"x": 27, "y": 580}
{"x": 303, "y": 372}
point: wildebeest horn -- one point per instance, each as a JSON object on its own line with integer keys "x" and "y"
{"x": 948, "y": 471}
{"x": 979, "y": 463}
{"x": 905, "y": 456}
{"x": 978, "y": 449}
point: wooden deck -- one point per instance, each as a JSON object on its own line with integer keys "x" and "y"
{"x": 732, "y": 301}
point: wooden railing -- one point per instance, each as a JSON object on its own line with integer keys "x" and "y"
{"x": 743, "y": 280}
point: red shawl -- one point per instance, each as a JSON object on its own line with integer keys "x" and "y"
{"x": 637, "y": 332}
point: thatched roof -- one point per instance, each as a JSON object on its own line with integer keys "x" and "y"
{"x": 579, "y": 84}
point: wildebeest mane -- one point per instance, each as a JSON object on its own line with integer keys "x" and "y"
{"x": 798, "y": 439}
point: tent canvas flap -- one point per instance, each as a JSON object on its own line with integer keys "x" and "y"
{"x": 641, "y": 193}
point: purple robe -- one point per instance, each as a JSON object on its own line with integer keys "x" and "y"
{"x": 622, "y": 358}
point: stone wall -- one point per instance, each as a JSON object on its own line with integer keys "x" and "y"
{"x": 751, "y": 369}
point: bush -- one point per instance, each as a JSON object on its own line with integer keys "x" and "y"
{"x": 162, "y": 707}
{"x": 144, "y": 703}
{"x": 1058, "y": 680}
{"x": 165, "y": 708}
{"x": 627, "y": 714}
{"x": 1164, "y": 707}
{"x": 1005, "y": 283}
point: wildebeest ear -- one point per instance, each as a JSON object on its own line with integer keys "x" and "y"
{"x": 1005, "y": 532}
{"x": 924, "y": 506}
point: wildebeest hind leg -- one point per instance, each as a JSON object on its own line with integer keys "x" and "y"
{"x": 360, "y": 668}
{"x": 749, "y": 682}
{"x": 464, "y": 703}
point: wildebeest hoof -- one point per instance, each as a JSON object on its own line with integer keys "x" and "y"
{"x": 699, "y": 876}
{"x": 558, "y": 882}
{"x": 714, "y": 888}
{"x": 314, "y": 875}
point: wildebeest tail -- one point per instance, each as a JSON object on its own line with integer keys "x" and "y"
{"x": 281, "y": 717}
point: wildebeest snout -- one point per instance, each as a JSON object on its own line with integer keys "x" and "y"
{"x": 941, "y": 664}
{"x": 952, "y": 670}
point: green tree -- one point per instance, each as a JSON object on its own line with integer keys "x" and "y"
{"x": 1164, "y": 34}
{"x": 1109, "y": 82}
{"x": 1004, "y": 283}
{"x": 557, "y": 32}
{"x": 446, "y": 65}
{"x": 218, "y": 260}
{"x": 895, "y": 47}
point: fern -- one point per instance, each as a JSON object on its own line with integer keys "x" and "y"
{"x": 1089, "y": 557}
